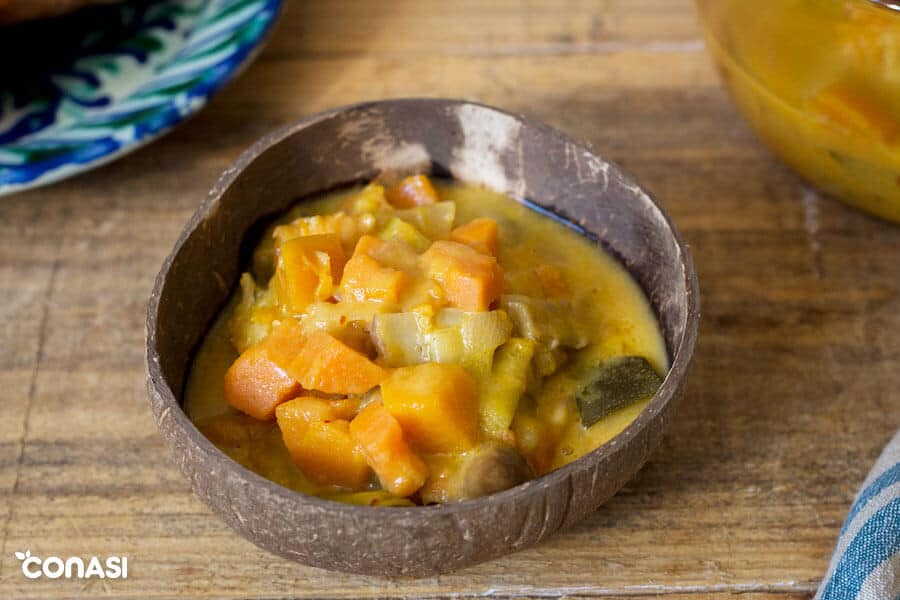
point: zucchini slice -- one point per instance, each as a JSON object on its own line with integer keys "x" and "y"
{"x": 615, "y": 384}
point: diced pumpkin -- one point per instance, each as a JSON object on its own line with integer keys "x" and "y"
{"x": 328, "y": 365}
{"x": 471, "y": 280}
{"x": 307, "y": 270}
{"x": 255, "y": 385}
{"x": 284, "y": 342}
{"x": 435, "y": 404}
{"x": 480, "y": 234}
{"x": 258, "y": 380}
{"x": 366, "y": 279}
{"x": 320, "y": 443}
{"x": 400, "y": 470}
{"x": 415, "y": 190}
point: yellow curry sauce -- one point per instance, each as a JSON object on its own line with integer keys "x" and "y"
{"x": 473, "y": 377}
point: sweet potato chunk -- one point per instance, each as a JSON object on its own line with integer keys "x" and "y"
{"x": 308, "y": 269}
{"x": 255, "y": 385}
{"x": 366, "y": 279}
{"x": 471, "y": 280}
{"x": 258, "y": 381}
{"x": 480, "y": 234}
{"x": 415, "y": 190}
{"x": 328, "y": 365}
{"x": 284, "y": 342}
{"x": 319, "y": 442}
{"x": 435, "y": 404}
{"x": 400, "y": 470}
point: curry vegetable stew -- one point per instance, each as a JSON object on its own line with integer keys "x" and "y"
{"x": 422, "y": 343}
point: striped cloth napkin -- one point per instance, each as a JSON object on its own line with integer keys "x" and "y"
{"x": 866, "y": 561}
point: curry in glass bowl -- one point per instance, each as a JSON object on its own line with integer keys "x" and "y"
{"x": 819, "y": 81}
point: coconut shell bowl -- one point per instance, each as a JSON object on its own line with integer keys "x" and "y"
{"x": 468, "y": 142}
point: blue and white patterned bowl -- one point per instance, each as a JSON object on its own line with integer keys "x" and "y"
{"x": 137, "y": 70}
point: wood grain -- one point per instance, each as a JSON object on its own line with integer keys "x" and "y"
{"x": 793, "y": 393}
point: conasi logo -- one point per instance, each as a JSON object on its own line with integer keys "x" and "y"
{"x": 74, "y": 567}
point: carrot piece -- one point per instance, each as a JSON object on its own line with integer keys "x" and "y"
{"x": 435, "y": 404}
{"x": 471, "y": 280}
{"x": 480, "y": 234}
{"x": 257, "y": 381}
{"x": 400, "y": 470}
{"x": 319, "y": 442}
{"x": 255, "y": 385}
{"x": 328, "y": 365}
{"x": 308, "y": 269}
{"x": 415, "y": 190}
{"x": 366, "y": 279}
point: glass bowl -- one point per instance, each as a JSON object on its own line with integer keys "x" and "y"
{"x": 819, "y": 81}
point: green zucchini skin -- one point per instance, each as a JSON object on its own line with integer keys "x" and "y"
{"x": 615, "y": 384}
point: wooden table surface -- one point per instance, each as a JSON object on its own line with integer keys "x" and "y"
{"x": 794, "y": 390}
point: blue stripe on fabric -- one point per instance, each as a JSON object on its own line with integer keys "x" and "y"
{"x": 877, "y": 540}
{"x": 889, "y": 477}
